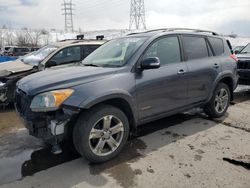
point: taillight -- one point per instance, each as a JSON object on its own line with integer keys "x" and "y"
{"x": 234, "y": 57}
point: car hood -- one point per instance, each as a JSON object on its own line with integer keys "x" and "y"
{"x": 15, "y": 66}
{"x": 243, "y": 56}
{"x": 53, "y": 79}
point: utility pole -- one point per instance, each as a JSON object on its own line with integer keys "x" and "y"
{"x": 68, "y": 14}
{"x": 137, "y": 15}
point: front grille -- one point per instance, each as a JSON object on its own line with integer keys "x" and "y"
{"x": 23, "y": 103}
{"x": 243, "y": 64}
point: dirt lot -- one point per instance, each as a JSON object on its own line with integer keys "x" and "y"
{"x": 186, "y": 150}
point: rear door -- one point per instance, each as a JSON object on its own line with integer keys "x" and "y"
{"x": 159, "y": 91}
{"x": 203, "y": 68}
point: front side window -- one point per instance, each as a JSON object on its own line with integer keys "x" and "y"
{"x": 195, "y": 47}
{"x": 114, "y": 53}
{"x": 67, "y": 55}
{"x": 166, "y": 49}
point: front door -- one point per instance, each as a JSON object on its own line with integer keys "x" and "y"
{"x": 162, "y": 90}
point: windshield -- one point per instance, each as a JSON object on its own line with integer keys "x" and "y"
{"x": 246, "y": 50}
{"x": 36, "y": 57}
{"x": 114, "y": 53}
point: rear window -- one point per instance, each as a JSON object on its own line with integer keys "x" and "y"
{"x": 195, "y": 47}
{"x": 217, "y": 45}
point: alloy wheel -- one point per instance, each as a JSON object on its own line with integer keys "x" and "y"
{"x": 221, "y": 100}
{"x": 106, "y": 135}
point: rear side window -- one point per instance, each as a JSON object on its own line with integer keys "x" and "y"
{"x": 217, "y": 45}
{"x": 88, "y": 49}
{"x": 195, "y": 47}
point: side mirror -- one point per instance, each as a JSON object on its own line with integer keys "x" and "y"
{"x": 51, "y": 64}
{"x": 236, "y": 51}
{"x": 150, "y": 63}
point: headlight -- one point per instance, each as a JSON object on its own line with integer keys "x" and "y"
{"x": 2, "y": 84}
{"x": 50, "y": 101}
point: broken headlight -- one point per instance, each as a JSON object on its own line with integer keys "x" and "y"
{"x": 50, "y": 101}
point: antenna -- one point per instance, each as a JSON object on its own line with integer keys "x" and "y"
{"x": 137, "y": 14}
{"x": 68, "y": 14}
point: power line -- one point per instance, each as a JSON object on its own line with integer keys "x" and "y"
{"x": 68, "y": 15}
{"x": 137, "y": 14}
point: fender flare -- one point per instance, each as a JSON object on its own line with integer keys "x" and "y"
{"x": 218, "y": 80}
{"x": 113, "y": 94}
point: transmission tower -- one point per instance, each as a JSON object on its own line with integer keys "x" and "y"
{"x": 68, "y": 14}
{"x": 137, "y": 14}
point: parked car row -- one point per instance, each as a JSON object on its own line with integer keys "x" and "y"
{"x": 60, "y": 54}
{"x": 126, "y": 82}
{"x": 15, "y": 51}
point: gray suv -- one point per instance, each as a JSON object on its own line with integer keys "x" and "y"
{"x": 125, "y": 83}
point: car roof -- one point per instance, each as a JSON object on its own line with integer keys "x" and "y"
{"x": 78, "y": 42}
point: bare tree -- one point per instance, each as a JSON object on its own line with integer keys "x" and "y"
{"x": 8, "y": 38}
{"x": 23, "y": 38}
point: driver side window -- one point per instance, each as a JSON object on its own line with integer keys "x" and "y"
{"x": 67, "y": 55}
{"x": 166, "y": 49}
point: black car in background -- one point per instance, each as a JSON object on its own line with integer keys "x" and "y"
{"x": 244, "y": 65}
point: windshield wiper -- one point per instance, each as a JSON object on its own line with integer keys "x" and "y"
{"x": 91, "y": 65}
{"x": 244, "y": 52}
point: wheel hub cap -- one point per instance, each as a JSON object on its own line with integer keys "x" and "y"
{"x": 106, "y": 135}
{"x": 221, "y": 100}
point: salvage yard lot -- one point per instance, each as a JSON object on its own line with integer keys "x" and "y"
{"x": 186, "y": 150}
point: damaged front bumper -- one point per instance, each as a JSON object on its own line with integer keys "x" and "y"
{"x": 52, "y": 127}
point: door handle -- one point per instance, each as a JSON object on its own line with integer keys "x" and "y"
{"x": 181, "y": 71}
{"x": 216, "y": 65}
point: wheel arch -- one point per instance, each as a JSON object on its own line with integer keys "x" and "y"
{"x": 229, "y": 81}
{"x": 122, "y": 101}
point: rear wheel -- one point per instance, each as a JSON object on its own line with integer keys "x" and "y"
{"x": 219, "y": 103}
{"x": 101, "y": 133}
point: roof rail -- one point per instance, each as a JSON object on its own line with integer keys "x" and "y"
{"x": 179, "y": 29}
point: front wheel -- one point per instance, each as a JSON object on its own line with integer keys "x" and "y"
{"x": 219, "y": 103}
{"x": 101, "y": 133}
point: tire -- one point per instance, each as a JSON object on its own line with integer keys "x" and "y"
{"x": 211, "y": 109}
{"x": 100, "y": 144}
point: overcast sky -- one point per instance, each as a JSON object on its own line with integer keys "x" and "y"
{"x": 223, "y": 16}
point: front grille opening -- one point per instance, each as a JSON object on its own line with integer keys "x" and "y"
{"x": 243, "y": 64}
